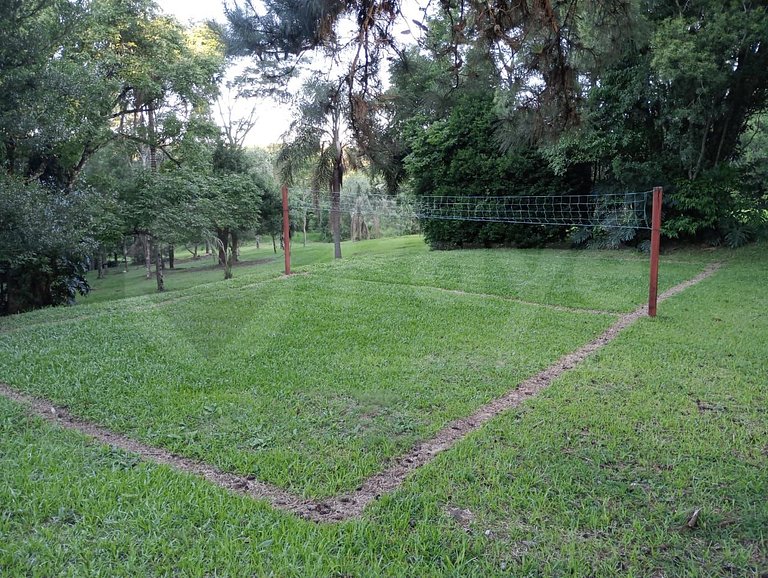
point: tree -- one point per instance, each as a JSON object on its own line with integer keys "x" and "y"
{"x": 236, "y": 194}
{"x": 281, "y": 33}
{"x": 672, "y": 110}
{"x": 46, "y": 236}
{"x": 642, "y": 93}
{"x": 169, "y": 87}
{"x": 455, "y": 157}
{"x": 79, "y": 76}
{"x": 316, "y": 135}
{"x": 56, "y": 96}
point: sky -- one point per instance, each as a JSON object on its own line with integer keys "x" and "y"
{"x": 272, "y": 119}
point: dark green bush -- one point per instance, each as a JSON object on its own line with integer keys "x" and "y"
{"x": 458, "y": 156}
{"x": 45, "y": 236}
{"x": 725, "y": 205}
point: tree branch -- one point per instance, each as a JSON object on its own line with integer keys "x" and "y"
{"x": 146, "y": 142}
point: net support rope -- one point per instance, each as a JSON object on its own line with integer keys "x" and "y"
{"x": 609, "y": 211}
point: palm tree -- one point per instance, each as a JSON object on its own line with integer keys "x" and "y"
{"x": 316, "y": 137}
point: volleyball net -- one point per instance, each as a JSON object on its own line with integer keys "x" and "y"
{"x": 607, "y": 211}
{"x": 628, "y": 211}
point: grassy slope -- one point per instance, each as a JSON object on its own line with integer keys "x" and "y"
{"x": 255, "y": 263}
{"x": 600, "y": 473}
{"x": 313, "y": 383}
{"x": 595, "y": 476}
{"x": 610, "y": 281}
{"x": 308, "y": 383}
{"x": 120, "y": 292}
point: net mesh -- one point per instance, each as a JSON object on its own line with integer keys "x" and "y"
{"x": 609, "y": 211}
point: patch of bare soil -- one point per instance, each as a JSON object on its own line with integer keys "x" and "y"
{"x": 351, "y": 504}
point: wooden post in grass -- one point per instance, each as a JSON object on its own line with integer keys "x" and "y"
{"x": 655, "y": 247}
{"x": 286, "y": 231}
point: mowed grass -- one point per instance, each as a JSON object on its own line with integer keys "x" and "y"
{"x": 121, "y": 292}
{"x": 602, "y": 473}
{"x": 313, "y": 383}
{"x": 596, "y": 476}
{"x": 255, "y": 263}
{"x": 610, "y": 281}
{"x": 545, "y": 276}
{"x": 309, "y": 383}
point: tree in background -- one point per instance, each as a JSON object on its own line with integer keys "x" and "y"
{"x": 669, "y": 107}
{"x": 46, "y": 238}
{"x": 76, "y": 80}
{"x": 317, "y": 137}
{"x": 236, "y": 194}
{"x": 640, "y": 94}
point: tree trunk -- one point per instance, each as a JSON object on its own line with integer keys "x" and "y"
{"x": 147, "y": 255}
{"x": 223, "y": 236}
{"x": 104, "y": 263}
{"x": 305, "y": 228}
{"x": 97, "y": 265}
{"x": 228, "y": 264}
{"x": 207, "y": 247}
{"x": 171, "y": 256}
{"x": 152, "y": 145}
{"x": 74, "y": 173}
{"x": 336, "y": 211}
{"x": 125, "y": 256}
{"x": 159, "y": 266}
{"x": 274, "y": 243}
{"x": 258, "y": 241}
{"x": 235, "y": 247}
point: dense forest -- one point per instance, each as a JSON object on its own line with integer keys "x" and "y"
{"x": 109, "y": 148}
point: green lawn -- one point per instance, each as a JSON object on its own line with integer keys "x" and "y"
{"x": 610, "y": 281}
{"x": 120, "y": 292}
{"x": 310, "y": 383}
{"x": 596, "y": 476}
{"x": 260, "y": 263}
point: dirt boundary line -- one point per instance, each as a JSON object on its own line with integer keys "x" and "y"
{"x": 349, "y": 505}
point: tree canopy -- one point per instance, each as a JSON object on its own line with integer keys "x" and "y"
{"x": 106, "y": 120}
{"x": 637, "y": 93}
{"x": 105, "y": 124}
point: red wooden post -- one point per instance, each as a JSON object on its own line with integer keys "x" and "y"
{"x": 286, "y": 231}
{"x": 655, "y": 247}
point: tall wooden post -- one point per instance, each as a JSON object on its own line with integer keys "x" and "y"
{"x": 655, "y": 248}
{"x": 286, "y": 231}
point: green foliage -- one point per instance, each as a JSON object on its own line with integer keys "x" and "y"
{"x": 79, "y": 79}
{"x": 236, "y": 190}
{"x": 455, "y": 156}
{"x": 672, "y": 110}
{"x": 720, "y": 205}
{"x": 697, "y": 206}
{"x": 45, "y": 237}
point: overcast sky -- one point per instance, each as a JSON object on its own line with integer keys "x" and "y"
{"x": 273, "y": 119}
